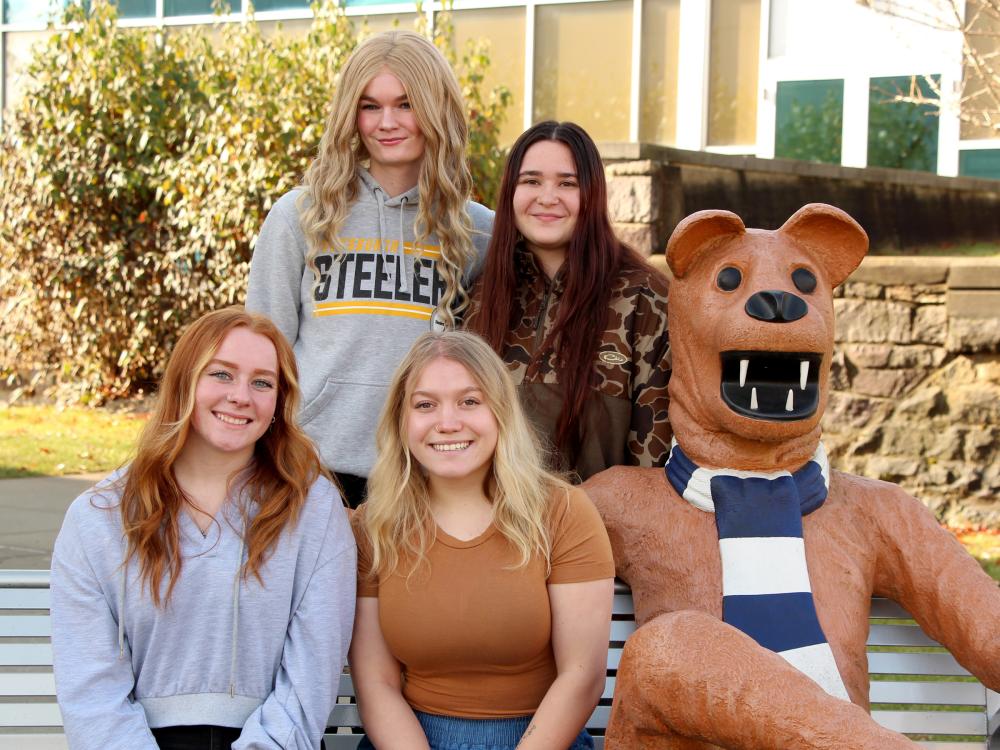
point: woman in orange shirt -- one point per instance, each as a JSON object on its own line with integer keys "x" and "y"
{"x": 485, "y": 583}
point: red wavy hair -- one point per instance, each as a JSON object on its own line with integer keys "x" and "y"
{"x": 594, "y": 260}
{"x": 278, "y": 480}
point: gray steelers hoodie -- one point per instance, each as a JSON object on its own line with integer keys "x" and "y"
{"x": 352, "y": 329}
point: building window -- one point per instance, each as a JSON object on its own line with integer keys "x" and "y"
{"x": 980, "y": 114}
{"x": 192, "y": 7}
{"x": 582, "y": 66}
{"x": 732, "y": 72}
{"x": 658, "y": 75}
{"x": 504, "y": 28}
{"x": 979, "y": 163}
{"x": 135, "y": 8}
{"x": 901, "y": 134}
{"x": 260, "y": 5}
{"x": 809, "y": 120}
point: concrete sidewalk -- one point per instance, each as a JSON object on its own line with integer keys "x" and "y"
{"x": 31, "y": 513}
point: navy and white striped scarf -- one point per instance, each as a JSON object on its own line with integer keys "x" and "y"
{"x": 765, "y": 582}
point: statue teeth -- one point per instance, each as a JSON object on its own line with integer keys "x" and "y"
{"x": 803, "y": 374}
{"x": 753, "y": 399}
{"x": 789, "y": 402}
{"x": 744, "y": 365}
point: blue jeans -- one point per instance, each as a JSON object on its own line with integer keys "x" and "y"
{"x": 457, "y": 733}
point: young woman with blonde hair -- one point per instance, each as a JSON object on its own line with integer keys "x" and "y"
{"x": 377, "y": 246}
{"x": 204, "y": 594}
{"x": 485, "y": 582}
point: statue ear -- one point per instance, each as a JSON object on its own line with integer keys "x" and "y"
{"x": 696, "y": 233}
{"x": 837, "y": 240}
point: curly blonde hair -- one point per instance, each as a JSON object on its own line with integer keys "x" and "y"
{"x": 397, "y": 517}
{"x": 445, "y": 182}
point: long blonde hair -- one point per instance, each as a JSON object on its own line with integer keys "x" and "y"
{"x": 445, "y": 181}
{"x": 397, "y": 516}
{"x": 285, "y": 466}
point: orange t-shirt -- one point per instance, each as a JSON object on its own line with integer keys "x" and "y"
{"x": 473, "y": 635}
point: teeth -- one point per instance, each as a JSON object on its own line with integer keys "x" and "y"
{"x": 230, "y": 420}
{"x": 803, "y": 375}
{"x": 789, "y": 402}
{"x": 753, "y": 399}
{"x": 446, "y": 447}
{"x": 744, "y": 364}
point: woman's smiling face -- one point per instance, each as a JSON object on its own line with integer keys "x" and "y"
{"x": 450, "y": 429}
{"x": 547, "y": 197}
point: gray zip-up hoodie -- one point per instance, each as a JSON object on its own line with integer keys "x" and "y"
{"x": 352, "y": 329}
{"x": 224, "y": 651}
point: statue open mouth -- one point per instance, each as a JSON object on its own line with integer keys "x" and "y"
{"x": 774, "y": 386}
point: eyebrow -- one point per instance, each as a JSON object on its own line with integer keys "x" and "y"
{"x": 538, "y": 172}
{"x": 470, "y": 389}
{"x": 234, "y": 366}
{"x": 403, "y": 98}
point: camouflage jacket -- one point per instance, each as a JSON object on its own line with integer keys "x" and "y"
{"x": 626, "y": 422}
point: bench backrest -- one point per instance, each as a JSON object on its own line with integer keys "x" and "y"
{"x": 925, "y": 694}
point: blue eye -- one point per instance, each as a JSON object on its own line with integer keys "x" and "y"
{"x": 220, "y": 375}
{"x": 263, "y": 384}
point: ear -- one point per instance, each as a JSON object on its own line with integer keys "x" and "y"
{"x": 696, "y": 233}
{"x": 838, "y": 241}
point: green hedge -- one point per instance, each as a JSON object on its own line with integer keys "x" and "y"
{"x": 138, "y": 168}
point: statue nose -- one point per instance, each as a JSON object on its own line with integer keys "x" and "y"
{"x": 776, "y": 307}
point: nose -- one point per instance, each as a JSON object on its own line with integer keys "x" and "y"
{"x": 239, "y": 393}
{"x": 776, "y": 307}
{"x": 388, "y": 120}
{"x": 547, "y": 194}
{"x": 449, "y": 420}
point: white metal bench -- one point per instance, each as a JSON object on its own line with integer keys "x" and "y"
{"x": 951, "y": 711}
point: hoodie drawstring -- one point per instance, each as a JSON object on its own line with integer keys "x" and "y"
{"x": 121, "y": 612}
{"x": 236, "y": 616}
{"x": 400, "y": 251}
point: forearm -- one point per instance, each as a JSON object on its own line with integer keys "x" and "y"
{"x": 388, "y": 719}
{"x": 563, "y": 712}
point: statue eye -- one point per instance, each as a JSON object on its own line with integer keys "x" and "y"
{"x": 804, "y": 280}
{"x": 729, "y": 278}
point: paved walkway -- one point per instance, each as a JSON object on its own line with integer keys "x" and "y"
{"x": 31, "y": 512}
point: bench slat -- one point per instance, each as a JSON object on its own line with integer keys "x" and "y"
{"x": 33, "y": 741}
{"x": 30, "y": 715}
{"x": 933, "y": 722}
{"x": 341, "y": 741}
{"x": 622, "y": 605}
{"x": 888, "y": 608}
{"x": 25, "y": 626}
{"x": 25, "y": 654}
{"x": 24, "y": 598}
{"x": 30, "y": 683}
{"x": 898, "y": 635}
{"x": 944, "y": 693}
{"x": 901, "y": 663}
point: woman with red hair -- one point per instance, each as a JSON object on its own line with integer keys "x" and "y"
{"x": 578, "y": 316}
{"x": 203, "y": 596}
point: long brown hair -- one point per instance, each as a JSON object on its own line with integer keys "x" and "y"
{"x": 278, "y": 480}
{"x": 594, "y": 260}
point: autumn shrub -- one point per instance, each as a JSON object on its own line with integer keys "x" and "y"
{"x": 137, "y": 169}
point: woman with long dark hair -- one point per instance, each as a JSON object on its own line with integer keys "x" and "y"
{"x": 204, "y": 595}
{"x": 578, "y": 316}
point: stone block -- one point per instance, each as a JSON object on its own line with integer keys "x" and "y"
{"x": 974, "y": 303}
{"x": 840, "y": 372}
{"x": 884, "y": 383}
{"x": 631, "y": 199}
{"x": 637, "y": 167}
{"x": 930, "y": 324}
{"x": 859, "y": 290}
{"x": 974, "y": 406}
{"x": 868, "y": 355}
{"x": 971, "y": 335}
{"x": 873, "y": 321}
{"x": 849, "y": 411}
{"x": 947, "y": 444}
{"x": 897, "y": 271}
{"x": 925, "y": 403}
{"x": 641, "y": 237}
{"x": 917, "y": 356}
{"x": 892, "y": 468}
{"x": 975, "y": 273}
{"x": 920, "y": 293}
{"x": 982, "y": 445}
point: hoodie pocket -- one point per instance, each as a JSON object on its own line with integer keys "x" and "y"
{"x": 316, "y": 406}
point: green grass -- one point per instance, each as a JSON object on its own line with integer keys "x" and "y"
{"x": 49, "y": 441}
